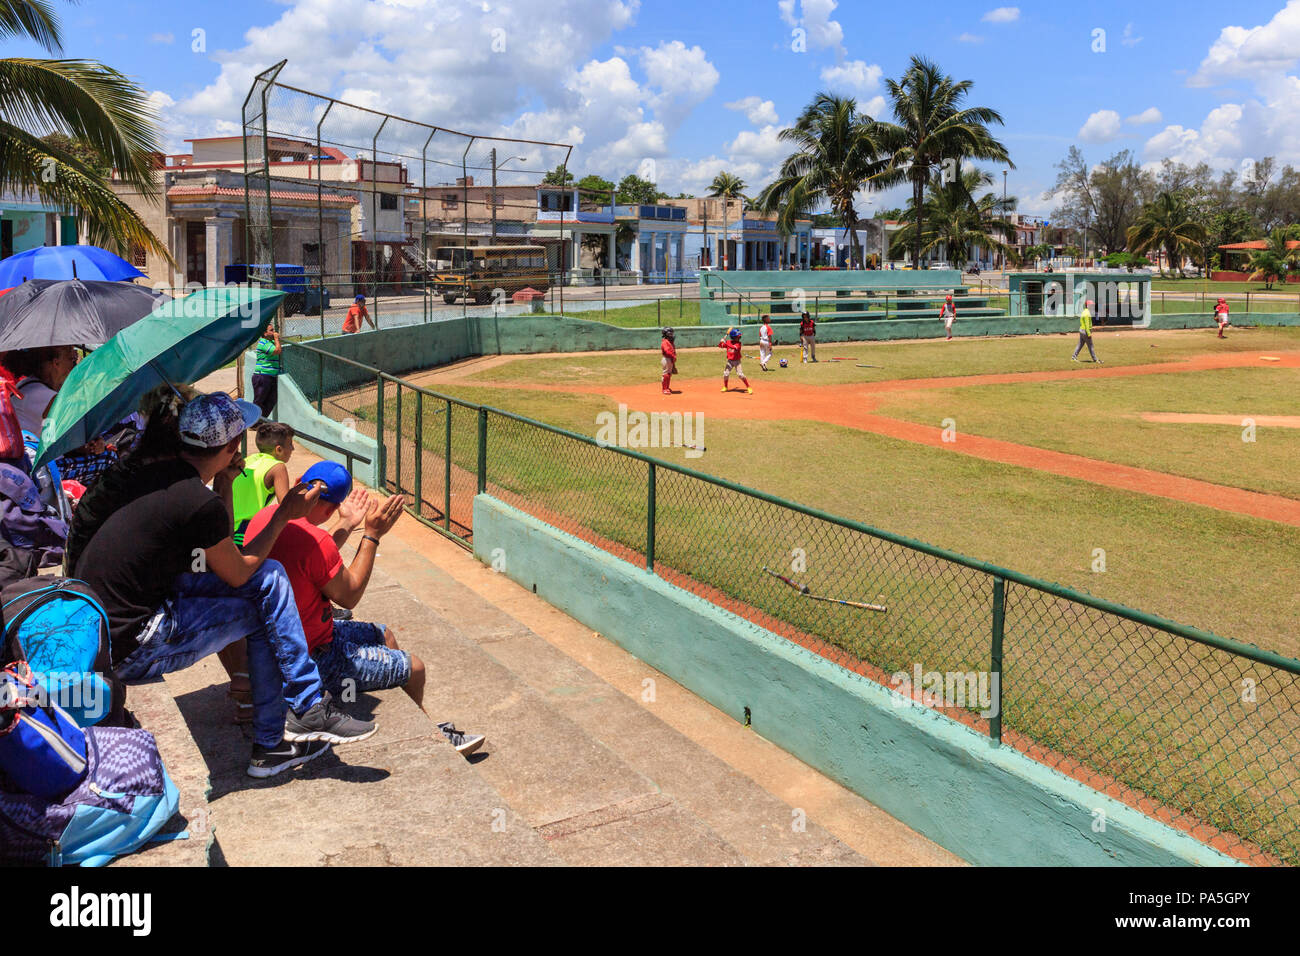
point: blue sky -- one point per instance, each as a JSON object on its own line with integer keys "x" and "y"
{"x": 688, "y": 88}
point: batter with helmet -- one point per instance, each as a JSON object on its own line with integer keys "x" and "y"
{"x": 667, "y": 359}
{"x": 732, "y": 344}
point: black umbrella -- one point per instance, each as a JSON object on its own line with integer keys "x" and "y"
{"x": 43, "y": 312}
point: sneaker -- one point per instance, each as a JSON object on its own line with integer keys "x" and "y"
{"x": 749, "y": 391}
{"x": 465, "y": 744}
{"x": 1074, "y": 359}
{"x": 667, "y": 392}
{"x": 814, "y": 360}
{"x": 1100, "y": 362}
{"x": 342, "y": 614}
{"x": 268, "y": 761}
{"x": 725, "y": 389}
{"x": 326, "y": 722}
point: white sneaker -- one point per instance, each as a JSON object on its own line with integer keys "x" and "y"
{"x": 465, "y": 744}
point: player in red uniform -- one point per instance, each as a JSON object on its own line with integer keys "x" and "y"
{"x": 732, "y": 344}
{"x": 808, "y": 337}
{"x": 1221, "y": 315}
{"x": 668, "y": 359}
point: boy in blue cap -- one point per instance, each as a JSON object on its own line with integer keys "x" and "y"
{"x": 357, "y": 315}
{"x": 350, "y": 655}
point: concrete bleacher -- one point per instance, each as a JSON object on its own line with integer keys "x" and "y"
{"x": 830, "y": 296}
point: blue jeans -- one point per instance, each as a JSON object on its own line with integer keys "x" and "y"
{"x": 204, "y": 614}
{"x": 358, "y": 653}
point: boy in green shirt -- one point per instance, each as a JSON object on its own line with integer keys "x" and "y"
{"x": 1085, "y": 334}
{"x": 265, "y": 474}
{"x": 266, "y": 373}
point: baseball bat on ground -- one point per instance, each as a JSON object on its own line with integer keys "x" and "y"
{"x": 878, "y": 608}
{"x": 801, "y": 588}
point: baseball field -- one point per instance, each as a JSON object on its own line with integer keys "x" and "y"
{"x": 1165, "y": 479}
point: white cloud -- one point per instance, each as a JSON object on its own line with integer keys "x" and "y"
{"x": 873, "y": 107}
{"x": 1257, "y": 52}
{"x": 1264, "y": 122}
{"x": 1101, "y": 127}
{"x": 757, "y": 110}
{"x": 683, "y": 75}
{"x": 1002, "y": 15}
{"x": 162, "y": 38}
{"x": 970, "y": 38}
{"x": 1127, "y": 38}
{"x": 764, "y": 145}
{"x": 815, "y": 18}
{"x": 853, "y": 76}
{"x": 1144, "y": 118}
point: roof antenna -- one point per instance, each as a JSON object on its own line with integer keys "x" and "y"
{"x": 74, "y": 268}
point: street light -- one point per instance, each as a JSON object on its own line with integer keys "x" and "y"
{"x": 495, "y": 167}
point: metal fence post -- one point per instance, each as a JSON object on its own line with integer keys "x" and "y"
{"x": 650, "y": 522}
{"x": 419, "y": 453}
{"x": 482, "y": 450}
{"x": 995, "y": 656}
{"x": 397, "y": 441}
{"x": 320, "y": 385}
{"x": 446, "y": 474}
{"x": 382, "y": 464}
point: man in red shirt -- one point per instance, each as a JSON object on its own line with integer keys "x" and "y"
{"x": 356, "y": 315}
{"x": 350, "y": 655}
{"x": 732, "y": 344}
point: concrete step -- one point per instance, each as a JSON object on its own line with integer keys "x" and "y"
{"x": 154, "y": 708}
{"x": 402, "y": 798}
{"x": 570, "y": 750}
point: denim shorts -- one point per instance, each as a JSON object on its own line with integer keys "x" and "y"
{"x": 357, "y": 654}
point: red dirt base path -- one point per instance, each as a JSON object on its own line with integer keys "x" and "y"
{"x": 852, "y": 406}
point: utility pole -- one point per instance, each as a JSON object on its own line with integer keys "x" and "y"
{"x": 1005, "y": 215}
{"x": 494, "y": 196}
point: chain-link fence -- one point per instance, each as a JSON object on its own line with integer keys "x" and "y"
{"x": 1195, "y": 730}
{"x": 341, "y": 201}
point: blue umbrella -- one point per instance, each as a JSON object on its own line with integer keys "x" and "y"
{"x": 181, "y": 341}
{"x": 65, "y": 262}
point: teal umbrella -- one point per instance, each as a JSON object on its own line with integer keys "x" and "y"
{"x": 181, "y": 341}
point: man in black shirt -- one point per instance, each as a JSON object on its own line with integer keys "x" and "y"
{"x": 176, "y": 589}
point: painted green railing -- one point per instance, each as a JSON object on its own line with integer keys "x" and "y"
{"x": 1195, "y": 729}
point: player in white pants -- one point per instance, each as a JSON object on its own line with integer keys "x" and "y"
{"x": 764, "y": 342}
{"x": 948, "y": 313}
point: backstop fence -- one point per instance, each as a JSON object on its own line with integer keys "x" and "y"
{"x": 1196, "y": 730}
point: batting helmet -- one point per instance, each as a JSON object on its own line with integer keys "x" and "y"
{"x": 784, "y": 363}
{"x": 669, "y": 334}
{"x": 734, "y": 333}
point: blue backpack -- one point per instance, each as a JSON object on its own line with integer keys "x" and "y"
{"x": 59, "y": 628}
{"x": 125, "y": 798}
{"x": 42, "y": 750}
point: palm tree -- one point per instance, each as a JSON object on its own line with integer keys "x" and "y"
{"x": 954, "y": 218}
{"x": 836, "y": 157}
{"x": 1282, "y": 255}
{"x": 931, "y": 128}
{"x": 728, "y": 187}
{"x": 1167, "y": 224}
{"x": 97, "y": 108}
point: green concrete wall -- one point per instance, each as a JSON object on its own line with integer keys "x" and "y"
{"x": 989, "y": 805}
{"x": 294, "y": 408}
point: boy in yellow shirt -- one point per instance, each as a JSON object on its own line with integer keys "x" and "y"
{"x": 265, "y": 474}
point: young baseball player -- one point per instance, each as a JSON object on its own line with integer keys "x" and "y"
{"x": 668, "y": 359}
{"x": 765, "y": 342}
{"x": 1085, "y": 334}
{"x": 807, "y": 337}
{"x": 732, "y": 344}
{"x": 1221, "y": 315}
{"x": 948, "y": 313}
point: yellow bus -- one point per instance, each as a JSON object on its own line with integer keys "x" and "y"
{"x": 477, "y": 272}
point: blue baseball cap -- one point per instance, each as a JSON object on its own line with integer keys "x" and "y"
{"x": 360, "y": 298}
{"x": 335, "y": 478}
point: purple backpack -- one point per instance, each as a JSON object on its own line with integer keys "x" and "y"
{"x": 120, "y": 805}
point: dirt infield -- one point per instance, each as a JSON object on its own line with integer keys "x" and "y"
{"x": 853, "y": 406}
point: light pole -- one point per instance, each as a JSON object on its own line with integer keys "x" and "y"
{"x": 495, "y": 167}
{"x": 1005, "y": 215}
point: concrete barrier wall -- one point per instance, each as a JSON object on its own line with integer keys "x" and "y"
{"x": 989, "y": 805}
{"x": 296, "y": 410}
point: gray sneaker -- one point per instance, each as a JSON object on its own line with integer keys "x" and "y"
{"x": 269, "y": 761}
{"x": 326, "y": 722}
{"x": 465, "y": 744}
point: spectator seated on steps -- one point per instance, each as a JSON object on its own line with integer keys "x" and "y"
{"x": 351, "y": 656}
{"x": 265, "y": 474}
{"x": 176, "y": 588}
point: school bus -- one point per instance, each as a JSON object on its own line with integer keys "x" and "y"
{"x": 477, "y": 271}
